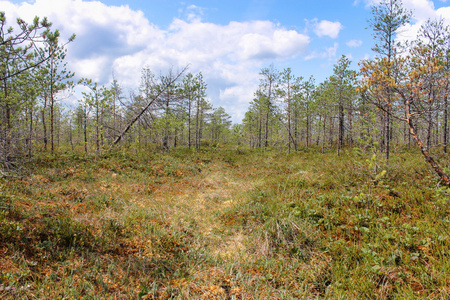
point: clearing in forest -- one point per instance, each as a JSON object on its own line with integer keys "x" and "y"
{"x": 221, "y": 224}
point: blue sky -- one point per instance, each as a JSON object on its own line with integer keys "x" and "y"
{"x": 228, "y": 41}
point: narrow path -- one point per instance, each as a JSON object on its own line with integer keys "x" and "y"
{"x": 199, "y": 203}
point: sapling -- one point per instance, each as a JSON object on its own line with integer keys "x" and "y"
{"x": 374, "y": 174}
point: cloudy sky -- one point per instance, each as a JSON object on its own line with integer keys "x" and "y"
{"x": 229, "y": 41}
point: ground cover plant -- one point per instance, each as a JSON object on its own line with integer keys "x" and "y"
{"x": 218, "y": 223}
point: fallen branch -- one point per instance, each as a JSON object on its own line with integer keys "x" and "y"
{"x": 139, "y": 115}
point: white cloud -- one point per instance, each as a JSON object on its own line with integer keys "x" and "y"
{"x": 329, "y": 53}
{"x": 237, "y": 41}
{"x": 194, "y": 13}
{"x": 354, "y": 43}
{"x": 120, "y": 40}
{"x": 422, "y": 10}
{"x": 368, "y": 2}
{"x": 272, "y": 44}
{"x": 104, "y": 33}
{"x": 327, "y": 28}
{"x": 444, "y": 12}
{"x": 235, "y": 99}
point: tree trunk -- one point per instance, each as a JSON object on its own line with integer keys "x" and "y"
{"x": 30, "y": 135}
{"x": 97, "y": 125}
{"x": 266, "y": 129}
{"x": 197, "y": 126}
{"x": 295, "y": 129}
{"x": 70, "y": 134}
{"x": 387, "y": 136}
{"x": 189, "y": 121}
{"x": 52, "y": 146}
{"x": 167, "y": 129}
{"x": 350, "y": 126}
{"x": 445, "y": 123}
{"x": 260, "y": 129}
{"x": 429, "y": 127}
{"x": 307, "y": 123}
{"x": 85, "y": 128}
{"x": 52, "y": 106}
{"x": 289, "y": 119}
{"x": 340, "y": 127}
{"x": 44, "y": 123}
{"x": 412, "y": 129}
{"x": 330, "y": 132}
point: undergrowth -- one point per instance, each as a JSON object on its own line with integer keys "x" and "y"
{"x": 222, "y": 224}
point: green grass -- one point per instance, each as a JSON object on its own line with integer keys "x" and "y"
{"x": 218, "y": 224}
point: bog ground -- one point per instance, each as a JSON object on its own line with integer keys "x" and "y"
{"x": 225, "y": 224}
